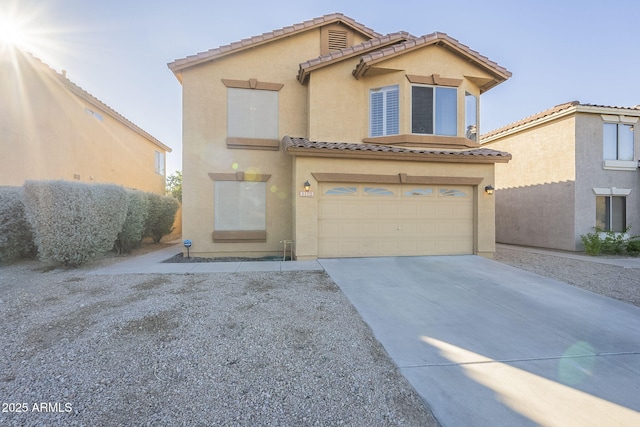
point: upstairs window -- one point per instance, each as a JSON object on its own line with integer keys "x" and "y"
{"x": 434, "y": 110}
{"x": 618, "y": 141}
{"x": 159, "y": 162}
{"x": 384, "y": 111}
{"x": 252, "y": 113}
{"x": 471, "y": 116}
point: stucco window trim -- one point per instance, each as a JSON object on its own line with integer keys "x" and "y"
{"x": 400, "y": 178}
{"x": 619, "y": 119}
{"x": 611, "y": 191}
{"x": 253, "y": 144}
{"x": 239, "y": 236}
{"x": 239, "y": 176}
{"x": 252, "y": 84}
{"x": 620, "y": 165}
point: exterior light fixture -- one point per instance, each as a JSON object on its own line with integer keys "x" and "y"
{"x": 307, "y": 186}
{"x": 489, "y": 189}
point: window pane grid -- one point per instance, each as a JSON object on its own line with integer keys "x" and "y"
{"x": 384, "y": 111}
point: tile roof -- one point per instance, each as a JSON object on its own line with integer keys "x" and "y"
{"x": 552, "y": 112}
{"x": 211, "y": 54}
{"x": 293, "y": 143}
{"x": 89, "y": 98}
{"x": 429, "y": 39}
{"x": 349, "y": 52}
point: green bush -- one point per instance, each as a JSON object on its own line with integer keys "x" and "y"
{"x": 592, "y": 243}
{"x": 74, "y": 222}
{"x": 162, "y": 214}
{"x": 16, "y": 238}
{"x": 610, "y": 242}
{"x": 133, "y": 228}
{"x": 633, "y": 246}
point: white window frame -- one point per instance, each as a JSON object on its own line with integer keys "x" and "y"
{"x": 159, "y": 162}
{"x": 435, "y": 129}
{"x": 390, "y": 119}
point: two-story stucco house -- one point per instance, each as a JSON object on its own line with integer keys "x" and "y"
{"x": 346, "y": 141}
{"x": 574, "y": 167}
{"x": 50, "y": 128}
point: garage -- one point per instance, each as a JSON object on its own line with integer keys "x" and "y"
{"x": 365, "y": 220}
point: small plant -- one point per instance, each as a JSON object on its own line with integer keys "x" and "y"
{"x": 592, "y": 242}
{"x": 633, "y": 246}
{"x": 614, "y": 243}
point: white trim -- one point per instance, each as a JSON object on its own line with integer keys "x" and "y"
{"x": 620, "y": 165}
{"x": 611, "y": 191}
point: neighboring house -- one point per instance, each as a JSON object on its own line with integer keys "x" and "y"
{"x": 382, "y": 128}
{"x": 574, "y": 167}
{"x": 52, "y": 129}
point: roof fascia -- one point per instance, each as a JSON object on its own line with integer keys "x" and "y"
{"x": 255, "y": 41}
{"x": 442, "y": 39}
{"x": 333, "y": 58}
{"x": 534, "y": 123}
{"x": 92, "y": 100}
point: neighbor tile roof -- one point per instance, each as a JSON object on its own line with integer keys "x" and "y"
{"x": 92, "y": 100}
{"x": 305, "y": 144}
{"x": 554, "y": 111}
{"x": 211, "y": 54}
{"x": 429, "y": 39}
{"x": 349, "y": 52}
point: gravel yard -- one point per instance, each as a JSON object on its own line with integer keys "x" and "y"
{"x": 242, "y": 349}
{"x": 608, "y": 280}
{"x": 213, "y": 349}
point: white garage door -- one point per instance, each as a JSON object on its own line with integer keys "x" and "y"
{"x": 357, "y": 220}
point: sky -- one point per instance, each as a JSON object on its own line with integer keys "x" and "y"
{"x": 118, "y": 50}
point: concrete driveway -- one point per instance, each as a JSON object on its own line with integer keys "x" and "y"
{"x": 486, "y": 344}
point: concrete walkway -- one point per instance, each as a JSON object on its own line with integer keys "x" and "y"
{"x": 625, "y": 262}
{"x": 486, "y": 344}
{"x": 152, "y": 263}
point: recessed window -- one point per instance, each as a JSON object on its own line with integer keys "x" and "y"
{"x": 159, "y": 162}
{"x": 611, "y": 213}
{"x": 93, "y": 114}
{"x": 240, "y": 206}
{"x": 252, "y": 113}
{"x": 618, "y": 141}
{"x": 384, "y": 111}
{"x": 471, "y": 116}
{"x": 434, "y": 110}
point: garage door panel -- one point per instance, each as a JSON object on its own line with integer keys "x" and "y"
{"x": 396, "y": 220}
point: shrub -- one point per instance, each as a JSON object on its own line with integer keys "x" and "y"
{"x": 16, "y": 238}
{"x": 592, "y": 243}
{"x": 633, "y": 246}
{"x": 614, "y": 243}
{"x": 132, "y": 231}
{"x": 162, "y": 213}
{"x": 74, "y": 222}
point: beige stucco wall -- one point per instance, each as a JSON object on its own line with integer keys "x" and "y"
{"x": 204, "y": 140}
{"x": 45, "y": 133}
{"x": 535, "y": 191}
{"x": 339, "y": 103}
{"x": 306, "y": 208}
{"x": 591, "y": 174}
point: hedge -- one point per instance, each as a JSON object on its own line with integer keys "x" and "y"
{"x": 74, "y": 222}
{"x": 16, "y": 237}
{"x": 162, "y": 213}
{"x": 133, "y": 228}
